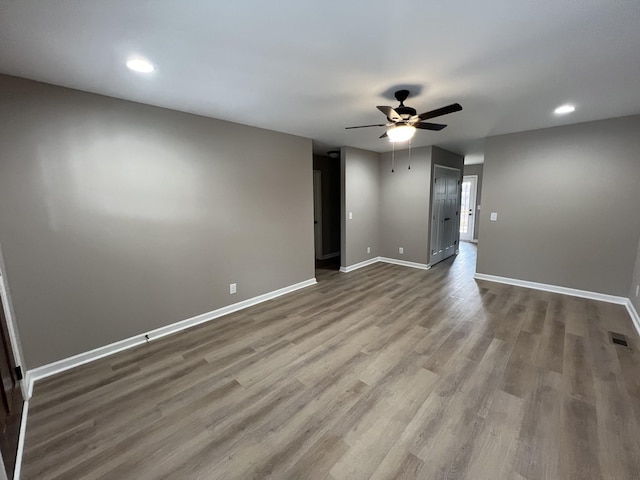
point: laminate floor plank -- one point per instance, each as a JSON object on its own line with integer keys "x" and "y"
{"x": 493, "y": 453}
{"x": 386, "y": 372}
{"x": 617, "y": 433}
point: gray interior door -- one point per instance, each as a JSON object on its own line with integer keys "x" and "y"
{"x": 445, "y": 218}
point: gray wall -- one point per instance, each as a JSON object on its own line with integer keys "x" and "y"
{"x": 440, "y": 156}
{"x": 476, "y": 170}
{"x": 390, "y": 210}
{"x": 635, "y": 282}
{"x": 566, "y": 200}
{"x": 361, "y": 196}
{"x": 330, "y": 173}
{"x": 404, "y": 205}
{"x": 117, "y": 218}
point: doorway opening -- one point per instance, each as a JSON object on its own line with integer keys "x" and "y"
{"x": 461, "y": 266}
{"x": 326, "y": 213}
{"x": 468, "y": 207}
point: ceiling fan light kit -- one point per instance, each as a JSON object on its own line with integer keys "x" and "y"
{"x": 401, "y": 133}
{"x": 404, "y": 121}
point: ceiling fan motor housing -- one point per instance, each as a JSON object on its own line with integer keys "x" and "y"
{"x": 402, "y": 95}
{"x": 405, "y": 112}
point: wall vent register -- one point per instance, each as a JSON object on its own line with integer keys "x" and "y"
{"x": 619, "y": 339}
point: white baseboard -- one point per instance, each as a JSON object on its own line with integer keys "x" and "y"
{"x": 405, "y": 263}
{"x": 633, "y": 313}
{"x": 23, "y": 432}
{"x": 371, "y": 261}
{"x": 602, "y": 297}
{"x": 44, "y": 371}
{"x": 356, "y": 266}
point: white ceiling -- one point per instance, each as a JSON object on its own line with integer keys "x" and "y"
{"x": 313, "y": 67}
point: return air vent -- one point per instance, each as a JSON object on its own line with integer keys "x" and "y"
{"x": 619, "y": 339}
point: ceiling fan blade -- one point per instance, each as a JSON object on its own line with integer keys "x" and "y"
{"x": 390, "y": 113}
{"x": 430, "y": 126}
{"x": 454, "y": 107}
{"x": 366, "y": 126}
{"x": 383, "y": 135}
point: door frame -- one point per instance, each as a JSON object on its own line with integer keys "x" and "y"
{"x": 14, "y": 339}
{"x": 12, "y": 344}
{"x": 473, "y": 198}
{"x": 13, "y": 404}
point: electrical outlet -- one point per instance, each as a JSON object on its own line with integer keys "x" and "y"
{"x": 637, "y": 290}
{"x": 401, "y": 251}
{"x": 232, "y": 288}
{"x": 368, "y": 249}
{"x": 494, "y": 216}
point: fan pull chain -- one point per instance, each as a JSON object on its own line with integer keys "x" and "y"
{"x": 409, "y": 154}
{"x": 393, "y": 155}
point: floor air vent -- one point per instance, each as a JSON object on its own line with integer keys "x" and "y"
{"x": 619, "y": 339}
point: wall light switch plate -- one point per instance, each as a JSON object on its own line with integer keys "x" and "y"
{"x": 637, "y": 290}
{"x": 494, "y": 216}
{"x": 368, "y": 249}
{"x": 350, "y": 215}
{"x": 232, "y": 288}
{"x": 401, "y": 251}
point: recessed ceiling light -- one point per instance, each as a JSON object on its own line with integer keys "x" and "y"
{"x": 564, "y": 109}
{"x": 138, "y": 64}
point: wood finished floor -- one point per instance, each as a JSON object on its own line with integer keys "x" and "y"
{"x": 386, "y": 372}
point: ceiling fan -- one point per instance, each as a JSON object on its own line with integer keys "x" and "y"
{"x": 404, "y": 120}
